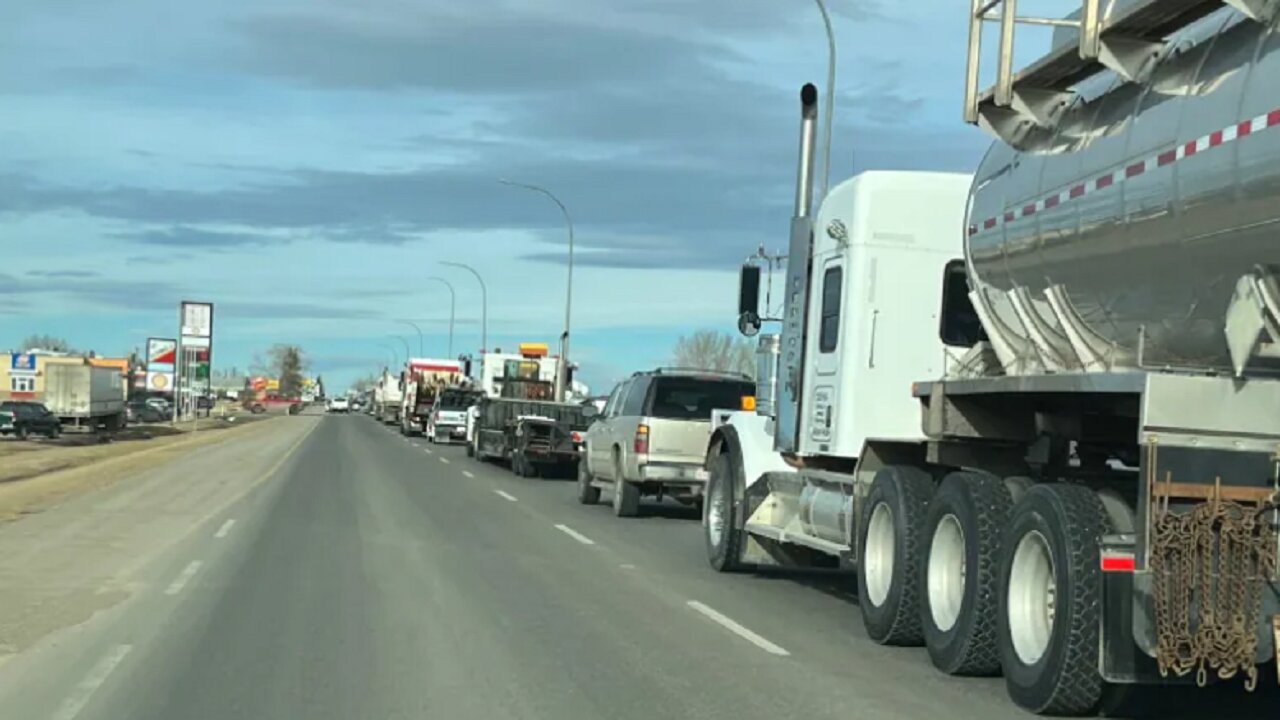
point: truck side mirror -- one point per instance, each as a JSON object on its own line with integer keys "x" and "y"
{"x": 749, "y": 300}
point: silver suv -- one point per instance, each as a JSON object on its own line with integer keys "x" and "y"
{"x": 651, "y": 438}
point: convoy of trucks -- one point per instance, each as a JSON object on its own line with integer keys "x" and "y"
{"x": 423, "y": 381}
{"x": 1039, "y": 421}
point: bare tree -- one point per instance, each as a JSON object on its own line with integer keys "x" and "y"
{"x": 714, "y": 350}
{"x": 45, "y": 342}
{"x": 365, "y": 383}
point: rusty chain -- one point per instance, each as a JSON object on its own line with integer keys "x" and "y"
{"x": 1208, "y": 564}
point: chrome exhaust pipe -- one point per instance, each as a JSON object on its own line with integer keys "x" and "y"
{"x": 808, "y": 131}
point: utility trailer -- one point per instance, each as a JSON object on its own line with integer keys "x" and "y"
{"x": 1048, "y": 447}
{"x": 535, "y": 436}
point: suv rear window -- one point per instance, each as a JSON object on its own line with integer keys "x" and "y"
{"x": 693, "y": 398}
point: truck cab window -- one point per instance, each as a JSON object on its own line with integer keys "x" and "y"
{"x": 829, "y": 332}
{"x": 960, "y": 326}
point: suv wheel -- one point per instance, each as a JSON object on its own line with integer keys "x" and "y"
{"x": 626, "y": 497}
{"x": 588, "y": 494}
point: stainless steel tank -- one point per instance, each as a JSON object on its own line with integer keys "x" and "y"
{"x": 1115, "y": 238}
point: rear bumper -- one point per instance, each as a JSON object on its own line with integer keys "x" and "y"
{"x": 674, "y": 473}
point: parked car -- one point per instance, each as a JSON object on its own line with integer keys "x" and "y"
{"x": 140, "y": 411}
{"x": 651, "y": 438}
{"x": 26, "y": 418}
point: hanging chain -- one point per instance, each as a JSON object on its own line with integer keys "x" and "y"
{"x": 1209, "y": 563}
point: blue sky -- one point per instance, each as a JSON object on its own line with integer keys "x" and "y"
{"x": 305, "y": 164}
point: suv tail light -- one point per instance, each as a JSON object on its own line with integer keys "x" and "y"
{"x": 641, "y": 446}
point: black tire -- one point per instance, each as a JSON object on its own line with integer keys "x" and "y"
{"x": 626, "y": 497}
{"x": 54, "y": 432}
{"x": 1069, "y": 521}
{"x": 904, "y": 492}
{"x": 588, "y": 494}
{"x": 724, "y": 553}
{"x": 976, "y": 505}
{"x": 517, "y": 464}
{"x": 471, "y": 450}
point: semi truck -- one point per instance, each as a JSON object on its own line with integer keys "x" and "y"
{"x": 424, "y": 379}
{"x": 84, "y": 395}
{"x": 1037, "y": 418}
{"x": 387, "y": 397}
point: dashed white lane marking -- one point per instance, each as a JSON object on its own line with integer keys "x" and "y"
{"x": 575, "y": 535}
{"x": 80, "y": 695}
{"x": 187, "y": 573}
{"x": 506, "y": 495}
{"x": 226, "y": 528}
{"x": 444, "y": 460}
{"x": 627, "y": 566}
{"x": 733, "y": 627}
{"x": 426, "y": 450}
{"x": 468, "y": 473}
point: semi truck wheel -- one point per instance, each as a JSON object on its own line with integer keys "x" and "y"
{"x": 1050, "y": 594}
{"x": 471, "y": 450}
{"x": 891, "y": 533}
{"x": 588, "y": 494}
{"x": 719, "y": 518}
{"x": 518, "y": 464}
{"x": 962, "y": 552}
{"x": 626, "y": 497}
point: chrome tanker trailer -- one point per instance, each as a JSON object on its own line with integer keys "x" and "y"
{"x": 1089, "y": 494}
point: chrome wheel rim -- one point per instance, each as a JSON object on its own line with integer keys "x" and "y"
{"x": 1032, "y": 598}
{"x": 878, "y": 555}
{"x": 946, "y": 574}
{"x": 716, "y": 514}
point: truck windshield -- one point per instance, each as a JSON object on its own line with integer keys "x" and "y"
{"x": 693, "y": 398}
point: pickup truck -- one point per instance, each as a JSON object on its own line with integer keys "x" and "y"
{"x": 448, "y": 419}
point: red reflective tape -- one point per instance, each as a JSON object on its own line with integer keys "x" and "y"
{"x": 1076, "y": 191}
{"x": 1244, "y": 127}
{"x": 988, "y": 223}
{"x": 1008, "y": 216}
{"x": 1028, "y": 209}
{"x": 1118, "y": 563}
{"x": 1135, "y": 169}
{"x": 1166, "y": 158}
{"x": 1189, "y": 149}
{"x": 1273, "y": 118}
{"x": 1051, "y": 202}
{"x": 1105, "y": 181}
{"x": 1215, "y": 138}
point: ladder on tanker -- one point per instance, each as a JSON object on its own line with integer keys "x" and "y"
{"x": 1127, "y": 37}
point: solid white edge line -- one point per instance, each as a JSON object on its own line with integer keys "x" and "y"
{"x": 575, "y": 535}
{"x": 226, "y": 528}
{"x": 468, "y": 473}
{"x": 506, "y": 495}
{"x": 742, "y": 632}
{"x": 79, "y": 697}
{"x": 444, "y": 460}
{"x": 185, "y": 577}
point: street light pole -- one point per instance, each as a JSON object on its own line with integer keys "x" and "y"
{"x": 562, "y": 373}
{"x": 453, "y": 307}
{"x": 395, "y": 359}
{"x": 407, "y": 352}
{"x": 829, "y": 110}
{"x": 412, "y": 324}
{"x": 484, "y": 303}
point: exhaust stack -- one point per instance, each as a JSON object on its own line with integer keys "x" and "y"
{"x": 808, "y": 131}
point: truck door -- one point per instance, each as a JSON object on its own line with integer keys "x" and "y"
{"x": 598, "y": 434}
{"x": 824, "y": 398}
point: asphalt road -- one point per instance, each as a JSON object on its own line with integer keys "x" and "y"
{"x": 371, "y": 576}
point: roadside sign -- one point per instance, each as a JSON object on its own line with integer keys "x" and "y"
{"x": 22, "y": 363}
{"x": 160, "y": 381}
{"x": 162, "y": 353}
{"x": 197, "y": 319}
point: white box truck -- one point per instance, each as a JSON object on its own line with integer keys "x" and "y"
{"x": 82, "y": 395}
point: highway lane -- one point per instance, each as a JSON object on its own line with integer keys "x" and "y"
{"x": 379, "y": 577}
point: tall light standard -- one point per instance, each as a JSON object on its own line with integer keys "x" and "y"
{"x": 407, "y": 351}
{"x": 412, "y": 324}
{"x": 395, "y": 359}
{"x": 829, "y": 110}
{"x": 453, "y": 307}
{"x": 484, "y": 303}
{"x": 562, "y": 372}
